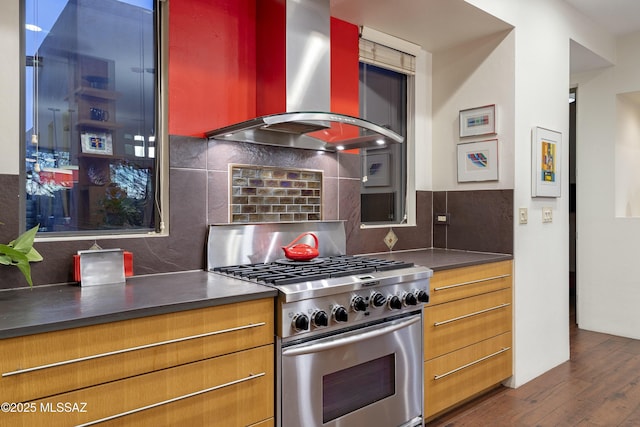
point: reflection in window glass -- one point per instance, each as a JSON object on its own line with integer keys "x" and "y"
{"x": 90, "y": 115}
{"x": 383, "y": 100}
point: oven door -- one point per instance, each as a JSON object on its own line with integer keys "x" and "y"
{"x": 371, "y": 376}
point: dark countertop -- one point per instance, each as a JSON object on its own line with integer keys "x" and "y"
{"x": 56, "y": 307}
{"x": 442, "y": 259}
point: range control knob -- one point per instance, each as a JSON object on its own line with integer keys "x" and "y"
{"x": 300, "y": 322}
{"x": 359, "y": 304}
{"x": 377, "y": 299}
{"x": 340, "y": 314}
{"x": 320, "y": 318}
{"x": 409, "y": 299}
{"x": 422, "y": 296}
{"x": 395, "y": 303}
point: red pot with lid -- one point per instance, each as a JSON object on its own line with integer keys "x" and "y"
{"x": 301, "y": 251}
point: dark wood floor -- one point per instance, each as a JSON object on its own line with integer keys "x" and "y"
{"x": 599, "y": 386}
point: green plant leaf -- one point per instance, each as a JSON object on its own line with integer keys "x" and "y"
{"x": 24, "y": 242}
{"x": 25, "y": 268}
{"x": 18, "y": 259}
{"x": 11, "y": 253}
{"x": 34, "y": 256}
{"x": 5, "y": 259}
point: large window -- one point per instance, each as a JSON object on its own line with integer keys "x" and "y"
{"x": 383, "y": 100}
{"x": 90, "y": 115}
{"x": 385, "y": 75}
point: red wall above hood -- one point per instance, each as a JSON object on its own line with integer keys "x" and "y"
{"x": 212, "y": 65}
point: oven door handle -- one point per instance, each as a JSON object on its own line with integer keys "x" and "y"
{"x": 332, "y": 342}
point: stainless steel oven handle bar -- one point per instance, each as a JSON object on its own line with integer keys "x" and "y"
{"x": 175, "y": 399}
{"x": 475, "y": 362}
{"x": 486, "y": 310}
{"x": 331, "y": 342}
{"x": 442, "y": 288}
{"x": 130, "y": 349}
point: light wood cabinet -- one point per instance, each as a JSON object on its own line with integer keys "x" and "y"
{"x": 467, "y": 334}
{"x": 210, "y": 366}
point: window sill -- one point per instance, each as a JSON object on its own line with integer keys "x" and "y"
{"x": 163, "y": 233}
{"x": 387, "y": 225}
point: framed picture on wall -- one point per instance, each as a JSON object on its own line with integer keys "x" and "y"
{"x": 478, "y": 121}
{"x": 545, "y": 162}
{"x": 478, "y": 161}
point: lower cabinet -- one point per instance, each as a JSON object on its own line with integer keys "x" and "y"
{"x": 467, "y": 372}
{"x": 467, "y": 331}
{"x": 208, "y": 374}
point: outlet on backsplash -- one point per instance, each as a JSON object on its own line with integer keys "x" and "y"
{"x": 442, "y": 218}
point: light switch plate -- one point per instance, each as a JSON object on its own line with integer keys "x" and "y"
{"x": 523, "y": 216}
{"x": 547, "y": 215}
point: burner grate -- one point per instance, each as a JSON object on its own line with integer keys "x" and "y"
{"x": 284, "y": 272}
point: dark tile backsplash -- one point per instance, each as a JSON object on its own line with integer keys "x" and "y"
{"x": 479, "y": 220}
{"x": 439, "y": 230}
{"x": 199, "y": 195}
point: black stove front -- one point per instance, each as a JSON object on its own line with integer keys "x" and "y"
{"x": 285, "y": 272}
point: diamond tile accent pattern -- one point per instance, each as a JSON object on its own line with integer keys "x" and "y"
{"x": 390, "y": 239}
{"x": 268, "y": 194}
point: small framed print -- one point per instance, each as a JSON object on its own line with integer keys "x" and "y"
{"x": 545, "y": 162}
{"x": 96, "y": 143}
{"x": 376, "y": 170}
{"x": 478, "y": 161}
{"x": 478, "y": 121}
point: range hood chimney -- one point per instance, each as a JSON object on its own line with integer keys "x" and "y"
{"x": 294, "y": 97}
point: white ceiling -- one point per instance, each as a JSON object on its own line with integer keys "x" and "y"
{"x": 441, "y": 24}
{"x": 432, "y": 24}
{"x": 617, "y": 16}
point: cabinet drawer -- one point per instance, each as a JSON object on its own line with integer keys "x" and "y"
{"x": 450, "y": 326}
{"x": 449, "y": 285}
{"x": 230, "y": 390}
{"x": 45, "y": 364}
{"x": 454, "y": 377}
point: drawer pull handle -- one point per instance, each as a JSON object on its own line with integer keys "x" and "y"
{"x": 127, "y": 350}
{"x": 486, "y": 310}
{"x": 486, "y": 279}
{"x": 175, "y": 399}
{"x": 475, "y": 362}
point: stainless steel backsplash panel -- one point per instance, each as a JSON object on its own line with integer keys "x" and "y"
{"x": 233, "y": 244}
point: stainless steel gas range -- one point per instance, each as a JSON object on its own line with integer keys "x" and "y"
{"x": 349, "y": 328}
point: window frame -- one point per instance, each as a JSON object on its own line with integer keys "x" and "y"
{"x": 161, "y": 195}
{"x": 412, "y": 94}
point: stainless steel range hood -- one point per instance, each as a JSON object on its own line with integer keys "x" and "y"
{"x": 310, "y": 130}
{"x": 306, "y": 121}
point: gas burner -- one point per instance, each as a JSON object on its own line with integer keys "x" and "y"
{"x": 286, "y": 272}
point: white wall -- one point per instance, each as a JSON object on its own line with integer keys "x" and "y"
{"x": 543, "y": 30}
{"x": 627, "y": 155}
{"x": 473, "y": 75}
{"x": 421, "y": 167}
{"x": 608, "y": 247}
{"x": 9, "y": 88}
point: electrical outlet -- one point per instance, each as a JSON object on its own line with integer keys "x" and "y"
{"x": 442, "y": 218}
{"x": 523, "y": 216}
{"x": 547, "y": 215}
